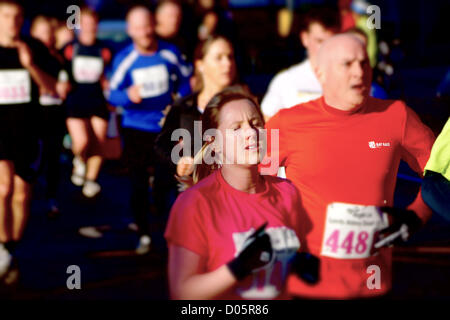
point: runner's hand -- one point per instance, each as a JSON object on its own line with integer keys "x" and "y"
{"x": 62, "y": 89}
{"x": 306, "y": 267}
{"x": 25, "y": 55}
{"x": 134, "y": 94}
{"x": 404, "y": 223}
{"x": 257, "y": 253}
{"x": 185, "y": 166}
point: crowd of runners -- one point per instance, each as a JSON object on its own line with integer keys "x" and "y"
{"x": 190, "y": 130}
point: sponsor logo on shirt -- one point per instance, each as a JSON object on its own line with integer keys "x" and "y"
{"x": 376, "y": 145}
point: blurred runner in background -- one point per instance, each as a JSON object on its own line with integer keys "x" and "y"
{"x": 53, "y": 124}
{"x": 215, "y": 69}
{"x": 146, "y": 76}
{"x": 22, "y": 64}
{"x": 87, "y": 110}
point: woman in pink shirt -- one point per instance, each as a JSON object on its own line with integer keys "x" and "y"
{"x": 233, "y": 234}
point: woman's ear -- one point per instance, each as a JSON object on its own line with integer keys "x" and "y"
{"x": 199, "y": 65}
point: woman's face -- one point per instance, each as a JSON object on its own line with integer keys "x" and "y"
{"x": 239, "y": 127}
{"x": 218, "y": 67}
{"x": 44, "y": 32}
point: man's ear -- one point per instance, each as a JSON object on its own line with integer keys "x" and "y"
{"x": 320, "y": 73}
{"x": 303, "y": 35}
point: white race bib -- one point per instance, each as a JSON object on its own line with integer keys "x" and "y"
{"x": 350, "y": 229}
{"x": 154, "y": 81}
{"x": 15, "y": 86}
{"x": 87, "y": 69}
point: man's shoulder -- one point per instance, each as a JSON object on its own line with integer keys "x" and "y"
{"x": 301, "y": 108}
{"x": 124, "y": 52}
{"x": 387, "y": 106}
{"x": 294, "y": 116}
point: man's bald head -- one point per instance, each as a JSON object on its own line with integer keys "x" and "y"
{"x": 141, "y": 27}
{"x": 137, "y": 13}
{"x": 344, "y": 71}
{"x": 338, "y": 43}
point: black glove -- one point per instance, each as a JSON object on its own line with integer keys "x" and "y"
{"x": 256, "y": 254}
{"x": 306, "y": 266}
{"x": 404, "y": 223}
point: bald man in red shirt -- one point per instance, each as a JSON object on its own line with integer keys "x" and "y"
{"x": 342, "y": 151}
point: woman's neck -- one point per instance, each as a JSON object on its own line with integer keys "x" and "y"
{"x": 246, "y": 179}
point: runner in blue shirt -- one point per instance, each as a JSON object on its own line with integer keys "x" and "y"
{"x": 146, "y": 76}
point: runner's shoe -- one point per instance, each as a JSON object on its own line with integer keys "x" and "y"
{"x": 144, "y": 245}
{"x": 5, "y": 260}
{"x": 91, "y": 189}
{"x": 79, "y": 171}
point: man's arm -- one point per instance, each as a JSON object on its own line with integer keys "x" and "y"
{"x": 43, "y": 80}
{"x": 417, "y": 142}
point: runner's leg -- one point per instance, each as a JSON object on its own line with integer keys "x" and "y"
{"x": 6, "y": 193}
{"x": 20, "y": 206}
{"x": 99, "y": 128}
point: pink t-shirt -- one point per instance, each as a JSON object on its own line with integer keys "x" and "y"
{"x": 213, "y": 220}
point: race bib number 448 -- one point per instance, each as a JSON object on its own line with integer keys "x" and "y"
{"x": 15, "y": 86}
{"x": 350, "y": 230}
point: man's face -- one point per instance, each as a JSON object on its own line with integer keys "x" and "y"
{"x": 347, "y": 75}
{"x": 141, "y": 28}
{"x": 168, "y": 19}
{"x": 11, "y": 20}
{"x": 313, "y": 38}
{"x": 89, "y": 25}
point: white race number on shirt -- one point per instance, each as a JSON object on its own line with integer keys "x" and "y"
{"x": 15, "y": 86}
{"x": 87, "y": 69}
{"x": 350, "y": 230}
{"x": 154, "y": 80}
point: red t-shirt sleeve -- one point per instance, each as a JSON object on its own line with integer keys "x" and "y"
{"x": 186, "y": 226}
{"x": 417, "y": 141}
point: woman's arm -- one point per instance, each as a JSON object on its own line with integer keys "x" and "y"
{"x": 187, "y": 279}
